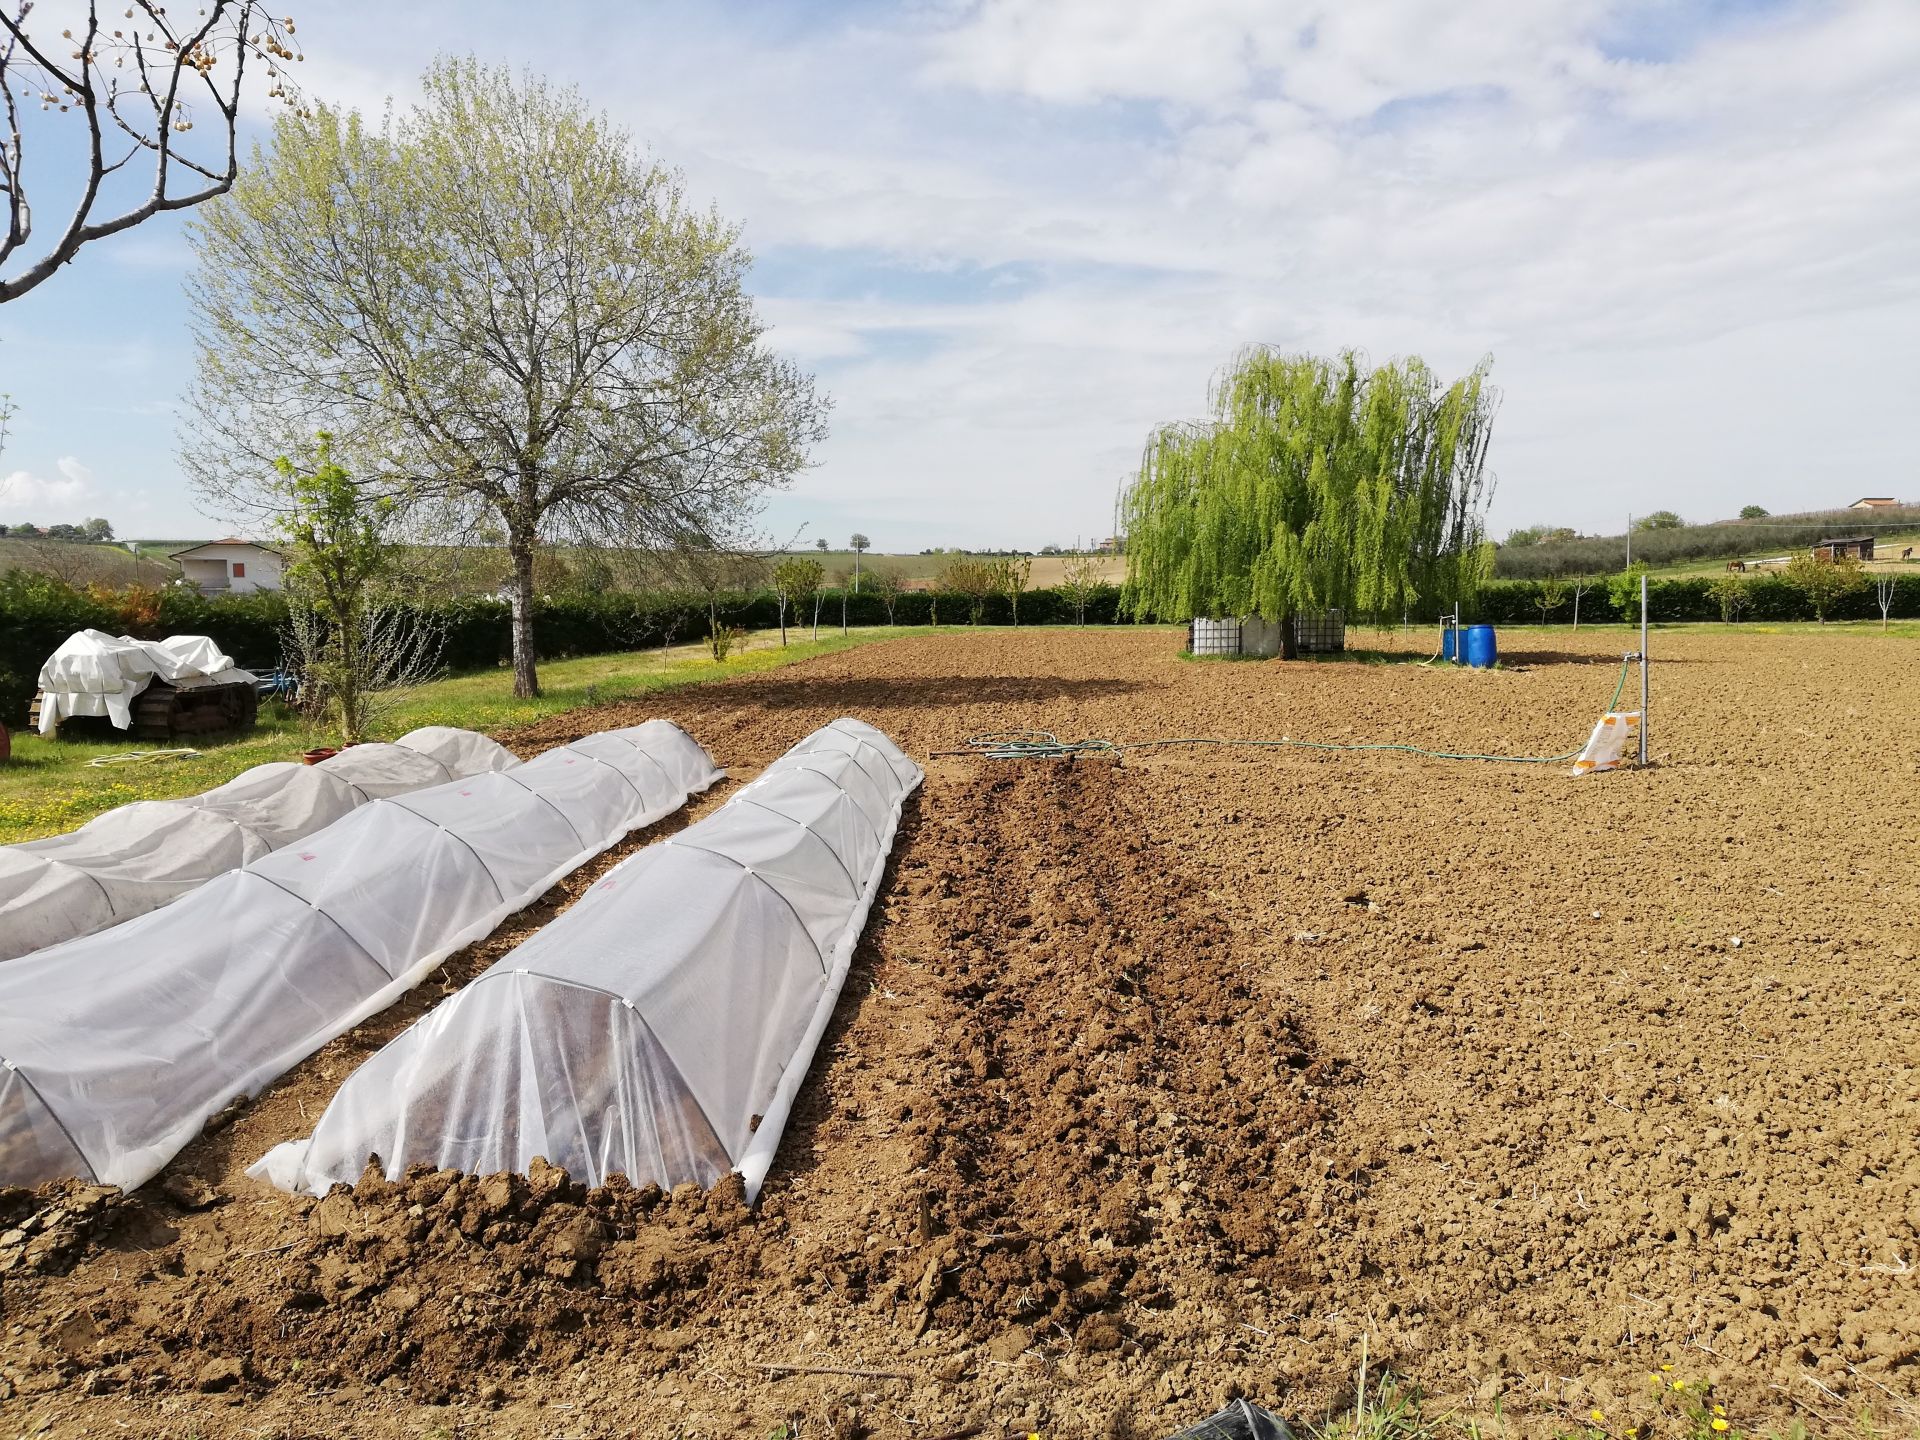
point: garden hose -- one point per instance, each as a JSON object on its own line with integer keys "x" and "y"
{"x": 1045, "y": 745}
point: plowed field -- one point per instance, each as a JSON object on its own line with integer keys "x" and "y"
{"x": 1162, "y": 1080}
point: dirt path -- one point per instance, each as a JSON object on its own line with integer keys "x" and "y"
{"x": 1161, "y": 1081}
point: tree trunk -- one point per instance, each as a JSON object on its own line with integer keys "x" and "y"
{"x": 843, "y": 612}
{"x": 783, "y": 622}
{"x": 816, "y": 616}
{"x": 1289, "y": 643}
{"x": 526, "y": 680}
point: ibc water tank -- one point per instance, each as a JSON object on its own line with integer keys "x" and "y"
{"x": 1480, "y": 651}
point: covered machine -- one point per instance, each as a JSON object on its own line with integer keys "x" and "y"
{"x": 156, "y": 689}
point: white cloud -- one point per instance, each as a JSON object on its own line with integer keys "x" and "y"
{"x": 1684, "y": 232}
{"x": 38, "y": 497}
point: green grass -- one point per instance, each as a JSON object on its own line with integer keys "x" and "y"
{"x": 50, "y": 786}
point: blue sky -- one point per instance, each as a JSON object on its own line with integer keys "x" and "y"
{"x": 1011, "y": 236}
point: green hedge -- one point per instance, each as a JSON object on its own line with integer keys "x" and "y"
{"x": 37, "y": 613}
{"x": 1685, "y": 597}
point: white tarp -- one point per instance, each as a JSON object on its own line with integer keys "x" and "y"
{"x": 116, "y": 1047}
{"x": 94, "y": 673}
{"x": 661, "y": 1027}
{"x": 148, "y": 854}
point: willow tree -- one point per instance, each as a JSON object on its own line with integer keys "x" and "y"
{"x": 513, "y": 317}
{"x": 1314, "y": 484}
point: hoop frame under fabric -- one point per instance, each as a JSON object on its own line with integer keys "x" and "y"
{"x": 661, "y": 1028}
{"x": 136, "y": 858}
{"x": 122, "y": 1043}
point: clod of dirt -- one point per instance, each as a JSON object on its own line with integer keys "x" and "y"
{"x": 44, "y": 1231}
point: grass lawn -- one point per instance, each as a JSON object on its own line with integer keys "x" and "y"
{"x": 50, "y": 786}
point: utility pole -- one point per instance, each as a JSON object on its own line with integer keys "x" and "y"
{"x": 1629, "y": 540}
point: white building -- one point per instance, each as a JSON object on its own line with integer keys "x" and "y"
{"x": 231, "y": 567}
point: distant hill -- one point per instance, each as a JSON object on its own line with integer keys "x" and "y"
{"x": 1709, "y": 546}
{"x": 78, "y": 563}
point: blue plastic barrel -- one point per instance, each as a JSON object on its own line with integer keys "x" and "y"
{"x": 1481, "y": 652}
{"x": 1446, "y": 642}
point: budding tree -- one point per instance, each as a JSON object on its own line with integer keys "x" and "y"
{"x": 135, "y": 82}
{"x": 518, "y": 319}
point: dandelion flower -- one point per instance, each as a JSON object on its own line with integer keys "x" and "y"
{"x": 1667, "y": 1368}
{"x": 1598, "y": 1418}
{"x": 1719, "y": 1409}
{"x": 1679, "y": 1384}
{"x": 1719, "y": 1424}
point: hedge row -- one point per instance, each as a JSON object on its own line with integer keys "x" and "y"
{"x": 37, "y": 613}
{"x": 1769, "y": 597}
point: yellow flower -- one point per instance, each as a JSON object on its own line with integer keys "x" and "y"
{"x": 1598, "y": 1418}
{"x": 1719, "y": 1409}
{"x": 1719, "y": 1424}
{"x": 1679, "y": 1384}
{"x": 1667, "y": 1368}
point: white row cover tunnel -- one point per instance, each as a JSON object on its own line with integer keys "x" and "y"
{"x": 661, "y": 1027}
{"x": 115, "y": 1048}
{"x": 148, "y": 854}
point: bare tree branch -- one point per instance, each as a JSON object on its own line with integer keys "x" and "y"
{"x": 149, "y": 106}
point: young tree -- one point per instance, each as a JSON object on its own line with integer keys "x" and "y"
{"x": 889, "y": 584}
{"x": 1824, "y": 582}
{"x": 1730, "y": 593}
{"x": 858, "y": 544}
{"x": 1010, "y": 579}
{"x": 1551, "y": 595}
{"x": 1753, "y": 512}
{"x": 843, "y": 582}
{"x": 1623, "y": 589}
{"x": 714, "y": 573}
{"x": 821, "y": 544}
{"x": 1080, "y": 580}
{"x": 353, "y": 648}
{"x": 793, "y": 578}
{"x": 133, "y": 82}
{"x": 970, "y": 580}
{"x": 1883, "y": 588}
{"x": 1579, "y": 585}
{"x": 1313, "y": 485}
{"x": 516, "y": 317}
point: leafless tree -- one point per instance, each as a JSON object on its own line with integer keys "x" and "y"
{"x": 1883, "y": 592}
{"x": 135, "y": 80}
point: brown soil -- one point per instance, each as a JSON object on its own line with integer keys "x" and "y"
{"x": 1161, "y": 1081}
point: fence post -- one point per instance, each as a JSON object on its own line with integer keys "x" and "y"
{"x": 1643, "y": 672}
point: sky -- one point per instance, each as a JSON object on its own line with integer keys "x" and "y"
{"x": 1011, "y": 236}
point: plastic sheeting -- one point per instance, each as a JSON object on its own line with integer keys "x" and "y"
{"x": 662, "y": 1026}
{"x": 115, "y": 1048}
{"x": 148, "y": 854}
{"x": 94, "y": 673}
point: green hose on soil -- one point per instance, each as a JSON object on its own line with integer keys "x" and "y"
{"x": 1045, "y": 745}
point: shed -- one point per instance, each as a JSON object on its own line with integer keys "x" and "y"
{"x": 1874, "y": 502}
{"x": 1860, "y": 547}
{"x": 232, "y": 566}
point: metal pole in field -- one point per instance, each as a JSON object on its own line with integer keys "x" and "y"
{"x": 1643, "y": 671}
